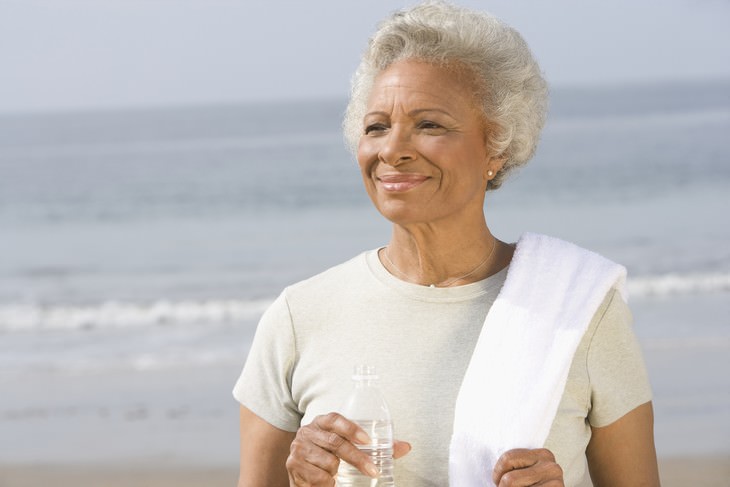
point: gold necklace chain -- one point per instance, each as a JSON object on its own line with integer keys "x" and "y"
{"x": 450, "y": 281}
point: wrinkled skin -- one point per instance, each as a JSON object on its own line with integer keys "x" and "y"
{"x": 318, "y": 447}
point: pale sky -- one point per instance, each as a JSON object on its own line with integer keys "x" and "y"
{"x": 79, "y": 54}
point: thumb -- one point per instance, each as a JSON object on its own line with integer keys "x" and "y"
{"x": 400, "y": 448}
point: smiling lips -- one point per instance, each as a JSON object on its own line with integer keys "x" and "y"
{"x": 400, "y": 182}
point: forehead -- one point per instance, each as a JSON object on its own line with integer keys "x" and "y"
{"x": 412, "y": 81}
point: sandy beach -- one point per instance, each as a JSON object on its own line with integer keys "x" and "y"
{"x": 116, "y": 476}
{"x": 708, "y": 471}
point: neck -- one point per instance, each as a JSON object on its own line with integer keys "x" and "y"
{"x": 443, "y": 255}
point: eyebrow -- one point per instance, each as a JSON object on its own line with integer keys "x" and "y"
{"x": 412, "y": 113}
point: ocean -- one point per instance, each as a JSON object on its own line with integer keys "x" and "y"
{"x": 149, "y": 241}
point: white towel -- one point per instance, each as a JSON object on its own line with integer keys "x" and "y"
{"x": 517, "y": 373}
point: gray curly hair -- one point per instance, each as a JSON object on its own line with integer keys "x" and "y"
{"x": 511, "y": 88}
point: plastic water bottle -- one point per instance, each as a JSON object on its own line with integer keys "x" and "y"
{"x": 366, "y": 407}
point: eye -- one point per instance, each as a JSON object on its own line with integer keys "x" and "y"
{"x": 428, "y": 125}
{"x": 375, "y": 128}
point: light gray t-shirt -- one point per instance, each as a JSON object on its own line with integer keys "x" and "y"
{"x": 421, "y": 339}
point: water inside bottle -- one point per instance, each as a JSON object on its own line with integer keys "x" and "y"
{"x": 380, "y": 451}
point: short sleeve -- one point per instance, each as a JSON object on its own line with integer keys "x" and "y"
{"x": 616, "y": 369}
{"x": 264, "y": 386}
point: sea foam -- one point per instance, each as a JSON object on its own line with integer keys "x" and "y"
{"x": 116, "y": 314}
{"x": 670, "y": 284}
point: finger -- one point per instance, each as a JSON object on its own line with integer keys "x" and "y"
{"x": 320, "y": 447}
{"x": 315, "y": 445}
{"x": 544, "y": 454}
{"x": 304, "y": 451}
{"x": 336, "y": 423}
{"x": 511, "y": 460}
{"x": 542, "y": 474}
{"x": 337, "y": 434}
{"x": 401, "y": 448}
{"x": 521, "y": 467}
{"x": 304, "y": 474}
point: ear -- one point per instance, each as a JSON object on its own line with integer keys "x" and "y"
{"x": 492, "y": 167}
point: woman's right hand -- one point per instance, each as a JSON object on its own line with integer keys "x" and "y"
{"x": 318, "y": 447}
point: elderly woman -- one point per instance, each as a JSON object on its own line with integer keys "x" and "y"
{"x": 506, "y": 364}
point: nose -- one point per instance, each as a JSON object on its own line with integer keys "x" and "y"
{"x": 397, "y": 147}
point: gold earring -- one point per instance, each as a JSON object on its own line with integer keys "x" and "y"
{"x": 490, "y": 173}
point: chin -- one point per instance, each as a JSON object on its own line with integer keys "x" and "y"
{"x": 401, "y": 213}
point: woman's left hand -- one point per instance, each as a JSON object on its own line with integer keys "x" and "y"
{"x": 522, "y": 467}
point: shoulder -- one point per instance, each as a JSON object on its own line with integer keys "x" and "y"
{"x": 560, "y": 280}
{"x": 313, "y": 290}
{"x": 558, "y": 259}
{"x": 611, "y": 326}
{"x": 334, "y": 280}
{"x": 612, "y": 314}
{"x": 537, "y": 246}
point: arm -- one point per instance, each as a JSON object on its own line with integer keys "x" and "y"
{"x": 264, "y": 449}
{"x": 622, "y": 453}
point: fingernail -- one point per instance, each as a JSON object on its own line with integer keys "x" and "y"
{"x": 362, "y": 437}
{"x": 372, "y": 470}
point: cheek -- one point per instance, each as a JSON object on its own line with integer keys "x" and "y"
{"x": 367, "y": 155}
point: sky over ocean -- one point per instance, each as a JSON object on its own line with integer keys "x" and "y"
{"x": 79, "y": 54}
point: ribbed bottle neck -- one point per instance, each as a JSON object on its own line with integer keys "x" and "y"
{"x": 365, "y": 383}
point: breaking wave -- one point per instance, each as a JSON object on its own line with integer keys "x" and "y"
{"x": 671, "y": 284}
{"x": 115, "y": 314}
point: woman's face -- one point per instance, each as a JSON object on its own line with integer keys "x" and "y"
{"x": 423, "y": 152}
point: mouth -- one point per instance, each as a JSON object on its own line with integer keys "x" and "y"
{"x": 400, "y": 182}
